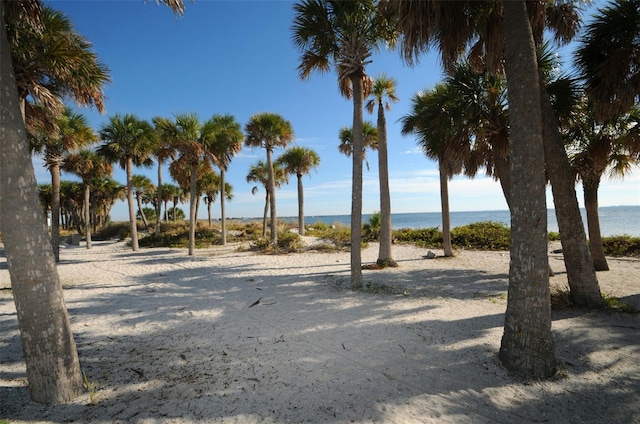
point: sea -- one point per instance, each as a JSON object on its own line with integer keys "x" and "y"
{"x": 614, "y": 220}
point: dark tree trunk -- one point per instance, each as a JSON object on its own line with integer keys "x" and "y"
{"x": 272, "y": 200}
{"x": 385, "y": 256}
{"x": 446, "y": 216}
{"x": 581, "y": 275}
{"x": 527, "y": 346}
{"x": 356, "y": 187}
{"x": 159, "y": 199}
{"x": 223, "y": 215}
{"x": 133, "y": 224}
{"x": 590, "y": 186}
{"x": 300, "y": 205}
{"x": 87, "y": 214}
{"x": 193, "y": 201}
{"x": 55, "y": 210}
{"x": 265, "y": 214}
{"x": 53, "y": 369}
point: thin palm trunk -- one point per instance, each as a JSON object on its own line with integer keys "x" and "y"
{"x": 264, "y": 215}
{"x": 446, "y": 216}
{"x": 527, "y": 346}
{"x": 385, "y": 256}
{"x": 142, "y": 215}
{"x": 132, "y": 214}
{"x": 87, "y": 214}
{"x": 55, "y": 210}
{"x": 502, "y": 172}
{"x": 193, "y": 201}
{"x": 356, "y": 189}
{"x": 159, "y": 198}
{"x": 50, "y": 355}
{"x": 272, "y": 200}
{"x": 223, "y": 217}
{"x": 300, "y": 206}
{"x": 590, "y": 186}
{"x": 581, "y": 275}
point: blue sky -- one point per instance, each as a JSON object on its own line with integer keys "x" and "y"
{"x": 237, "y": 57}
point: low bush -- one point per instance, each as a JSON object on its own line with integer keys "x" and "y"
{"x": 485, "y": 235}
{"x": 621, "y": 246}
{"x": 422, "y": 237}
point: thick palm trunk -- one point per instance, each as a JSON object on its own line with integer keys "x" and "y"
{"x": 53, "y": 369}
{"x": 142, "y": 215}
{"x": 300, "y": 206}
{"x": 132, "y": 214}
{"x": 55, "y": 210}
{"x": 223, "y": 218}
{"x": 527, "y": 346}
{"x": 581, "y": 275}
{"x": 193, "y": 201}
{"x": 272, "y": 200}
{"x": 590, "y": 185}
{"x": 446, "y": 216}
{"x": 385, "y": 256}
{"x": 87, "y": 214}
{"x": 159, "y": 199}
{"x": 356, "y": 187}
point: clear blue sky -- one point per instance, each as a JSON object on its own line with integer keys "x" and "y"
{"x": 237, "y": 57}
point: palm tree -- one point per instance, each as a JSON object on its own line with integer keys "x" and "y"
{"x": 89, "y": 167}
{"x": 596, "y": 148}
{"x": 129, "y": 141}
{"x": 172, "y": 193}
{"x": 269, "y": 131}
{"x": 142, "y": 187}
{"x": 259, "y": 173}
{"x": 165, "y": 150}
{"x": 299, "y": 161}
{"x": 608, "y": 58}
{"x": 72, "y": 132}
{"x": 53, "y": 368}
{"x": 343, "y": 34}
{"x": 369, "y": 140}
{"x": 194, "y": 141}
{"x": 227, "y": 143}
{"x": 382, "y": 95}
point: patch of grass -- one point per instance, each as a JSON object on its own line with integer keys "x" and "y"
{"x": 485, "y": 235}
{"x": 421, "y": 237}
{"x": 339, "y": 235}
{"x": 621, "y": 246}
{"x": 614, "y": 303}
{"x": 91, "y": 387}
{"x": 561, "y": 299}
{"x": 377, "y": 288}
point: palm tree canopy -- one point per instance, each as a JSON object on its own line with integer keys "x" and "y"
{"x": 609, "y": 58}
{"x": 299, "y": 160}
{"x": 342, "y": 34}
{"x": 192, "y": 138}
{"x": 88, "y": 165}
{"x": 258, "y": 173}
{"x": 227, "y": 141}
{"x": 383, "y": 93}
{"x": 127, "y": 137}
{"x": 53, "y": 62}
{"x": 370, "y": 139}
{"x": 165, "y": 147}
{"x": 268, "y": 130}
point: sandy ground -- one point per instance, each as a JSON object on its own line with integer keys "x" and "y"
{"x": 168, "y": 338}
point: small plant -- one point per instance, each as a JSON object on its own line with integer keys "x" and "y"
{"x": 91, "y": 387}
{"x": 371, "y": 230}
{"x": 612, "y": 302}
{"x": 482, "y": 235}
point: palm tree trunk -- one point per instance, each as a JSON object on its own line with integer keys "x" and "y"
{"x": 159, "y": 199}
{"x": 193, "y": 200}
{"x": 264, "y": 215}
{"x": 87, "y": 213}
{"x": 223, "y": 217}
{"x": 272, "y": 200}
{"x": 300, "y": 206}
{"x": 356, "y": 187}
{"x": 55, "y": 210}
{"x": 590, "y": 186}
{"x": 142, "y": 215}
{"x": 527, "y": 346}
{"x": 502, "y": 172}
{"x": 581, "y": 275}
{"x": 385, "y": 257}
{"x": 132, "y": 214}
{"x": 446, "y": 216}
{"x": 50, "y": 355}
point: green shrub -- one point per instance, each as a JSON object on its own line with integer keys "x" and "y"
{"x": 621, "y": 246}
{"x": 485, "y": 235}
{"x": 371, "y": 230}
{"x": 338, "y": 234}
{"x": 553, "y": 236}
{"x": 422, "y": 237}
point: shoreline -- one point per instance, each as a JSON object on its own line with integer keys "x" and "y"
{"x": 171, "y": 338}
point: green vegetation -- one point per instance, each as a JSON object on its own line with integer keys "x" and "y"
{"x": 561, "y": 299}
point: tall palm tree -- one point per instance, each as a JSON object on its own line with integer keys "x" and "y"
{"x": 165, "y": 151}
{"x": 53, "y": 368}
{"x": 382, "y": 95}
{"x": 269, "y": 131}
{"x": 130, "y": 141}
{"x": 72, "y": 132}
{"x": 527, "y": 345}
{"x": 142, "y": 187}
{"x": 369, "y": 140}
{"x": 89, "y": 167}
{"x": 193, "y": 140}
{"x": 609, "y": 58}
{"x": 227, "y": 143}
{"x": 299, "y": 161}
{"x": 344, "y": 34}
{"x": 596, "y": 148}
{"x": 259, "y": 173}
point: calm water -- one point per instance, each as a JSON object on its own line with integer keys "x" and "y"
{"x": 614, "y": 220}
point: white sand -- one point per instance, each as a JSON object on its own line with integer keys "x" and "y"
{"x": 168, "y": 338}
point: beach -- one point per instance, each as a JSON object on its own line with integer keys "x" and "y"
{"x": 234, "y": 336}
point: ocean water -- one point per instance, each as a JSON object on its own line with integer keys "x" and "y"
{"x": 614, "y": 220}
